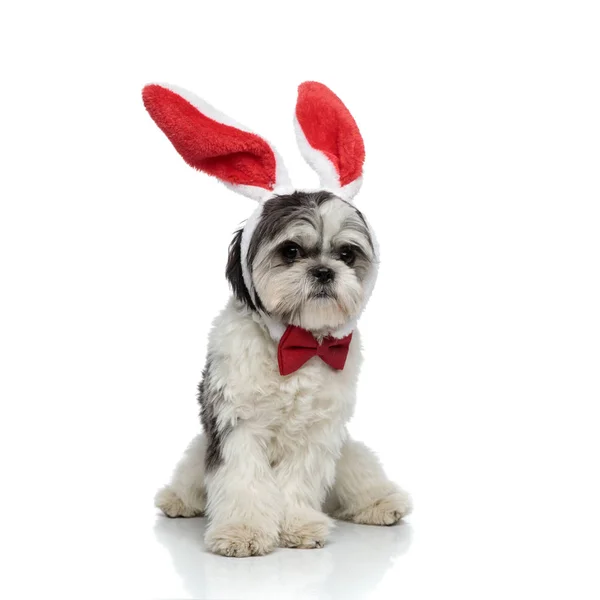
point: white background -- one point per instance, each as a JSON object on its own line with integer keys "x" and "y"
{"x": 481, "y": 384}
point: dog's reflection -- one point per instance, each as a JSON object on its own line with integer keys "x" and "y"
{"x": 350, "y": 566}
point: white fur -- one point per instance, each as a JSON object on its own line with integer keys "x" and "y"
{"x": 186, "y": 496}
{"x": 287, "y": 449}
{"x": 368, "y": 287}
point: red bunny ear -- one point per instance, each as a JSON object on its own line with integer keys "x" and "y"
{"x": 329, "y": 138}
{"x": 212, "y": 142}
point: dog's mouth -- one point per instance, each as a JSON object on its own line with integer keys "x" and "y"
{"x": 323, "y": 294}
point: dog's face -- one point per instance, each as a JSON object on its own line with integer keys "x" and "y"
{"x": 309, "y": 256}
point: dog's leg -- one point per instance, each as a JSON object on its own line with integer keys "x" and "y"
{"x": 244, "y": 504}
{"x": 185, "y": 495}
{"x": 303, "y": 475}
{"x": 362, "y": 493}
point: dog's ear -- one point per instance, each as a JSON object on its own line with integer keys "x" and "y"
{"x": 213, "y": 143}
{"x": 234, "y": 272}
{"x": 329, "y": 139}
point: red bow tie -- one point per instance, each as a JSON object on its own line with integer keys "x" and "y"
{"x": 298, "y": 346}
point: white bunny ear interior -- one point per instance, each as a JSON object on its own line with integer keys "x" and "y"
{"x": 213, "y": 143}
{"x": 329, "y": 139}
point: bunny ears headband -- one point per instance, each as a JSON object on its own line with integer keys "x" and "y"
{"x": 211, "y": 142}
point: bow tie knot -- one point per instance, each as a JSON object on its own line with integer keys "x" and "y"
{"x": 297, "y": 346}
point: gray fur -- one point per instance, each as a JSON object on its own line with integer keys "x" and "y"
{"x": 281, "y": 211}
{"x": 210, "y": 398}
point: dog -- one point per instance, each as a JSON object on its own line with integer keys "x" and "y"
{"x": 275, "y": 463}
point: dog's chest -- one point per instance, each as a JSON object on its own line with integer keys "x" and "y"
{"x": 306, "y": 409}
{"x": 312, "y": 393}
{"x": 247, "y": 369}
{"x": 313, "y": 397}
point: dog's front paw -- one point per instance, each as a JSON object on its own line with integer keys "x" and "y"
{"x": 239, "y": 540}
{"x": 387, "y": 510}
{"x": 306, "y": 529}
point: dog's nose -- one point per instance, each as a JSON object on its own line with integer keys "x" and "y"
{"x": 323, "y": 274}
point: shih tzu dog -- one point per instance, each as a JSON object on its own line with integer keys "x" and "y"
{"x": 275, "y": 462}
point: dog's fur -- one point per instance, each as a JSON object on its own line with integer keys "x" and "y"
{"x": 275, "y": 461}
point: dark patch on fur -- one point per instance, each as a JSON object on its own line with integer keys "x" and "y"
{"x": 209, "y": 399}
{"x": 280, "y": 211}
{"x": 361, "y": 228}
{"x": 234, "y": 273}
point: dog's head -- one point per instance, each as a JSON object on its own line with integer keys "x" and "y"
{"x": 308, "y": 260}
{"x": 303, "y": 258}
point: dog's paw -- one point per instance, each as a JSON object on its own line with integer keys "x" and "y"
{"x": 239, "y": 540}
{"x": 173, "y": 506}
{"x": 387, "y": 510}
{"x": 306, "y": 530}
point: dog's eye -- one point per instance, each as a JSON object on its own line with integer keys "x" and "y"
{"x": 291, "y": 251}
{"x": 347, "y": 255}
